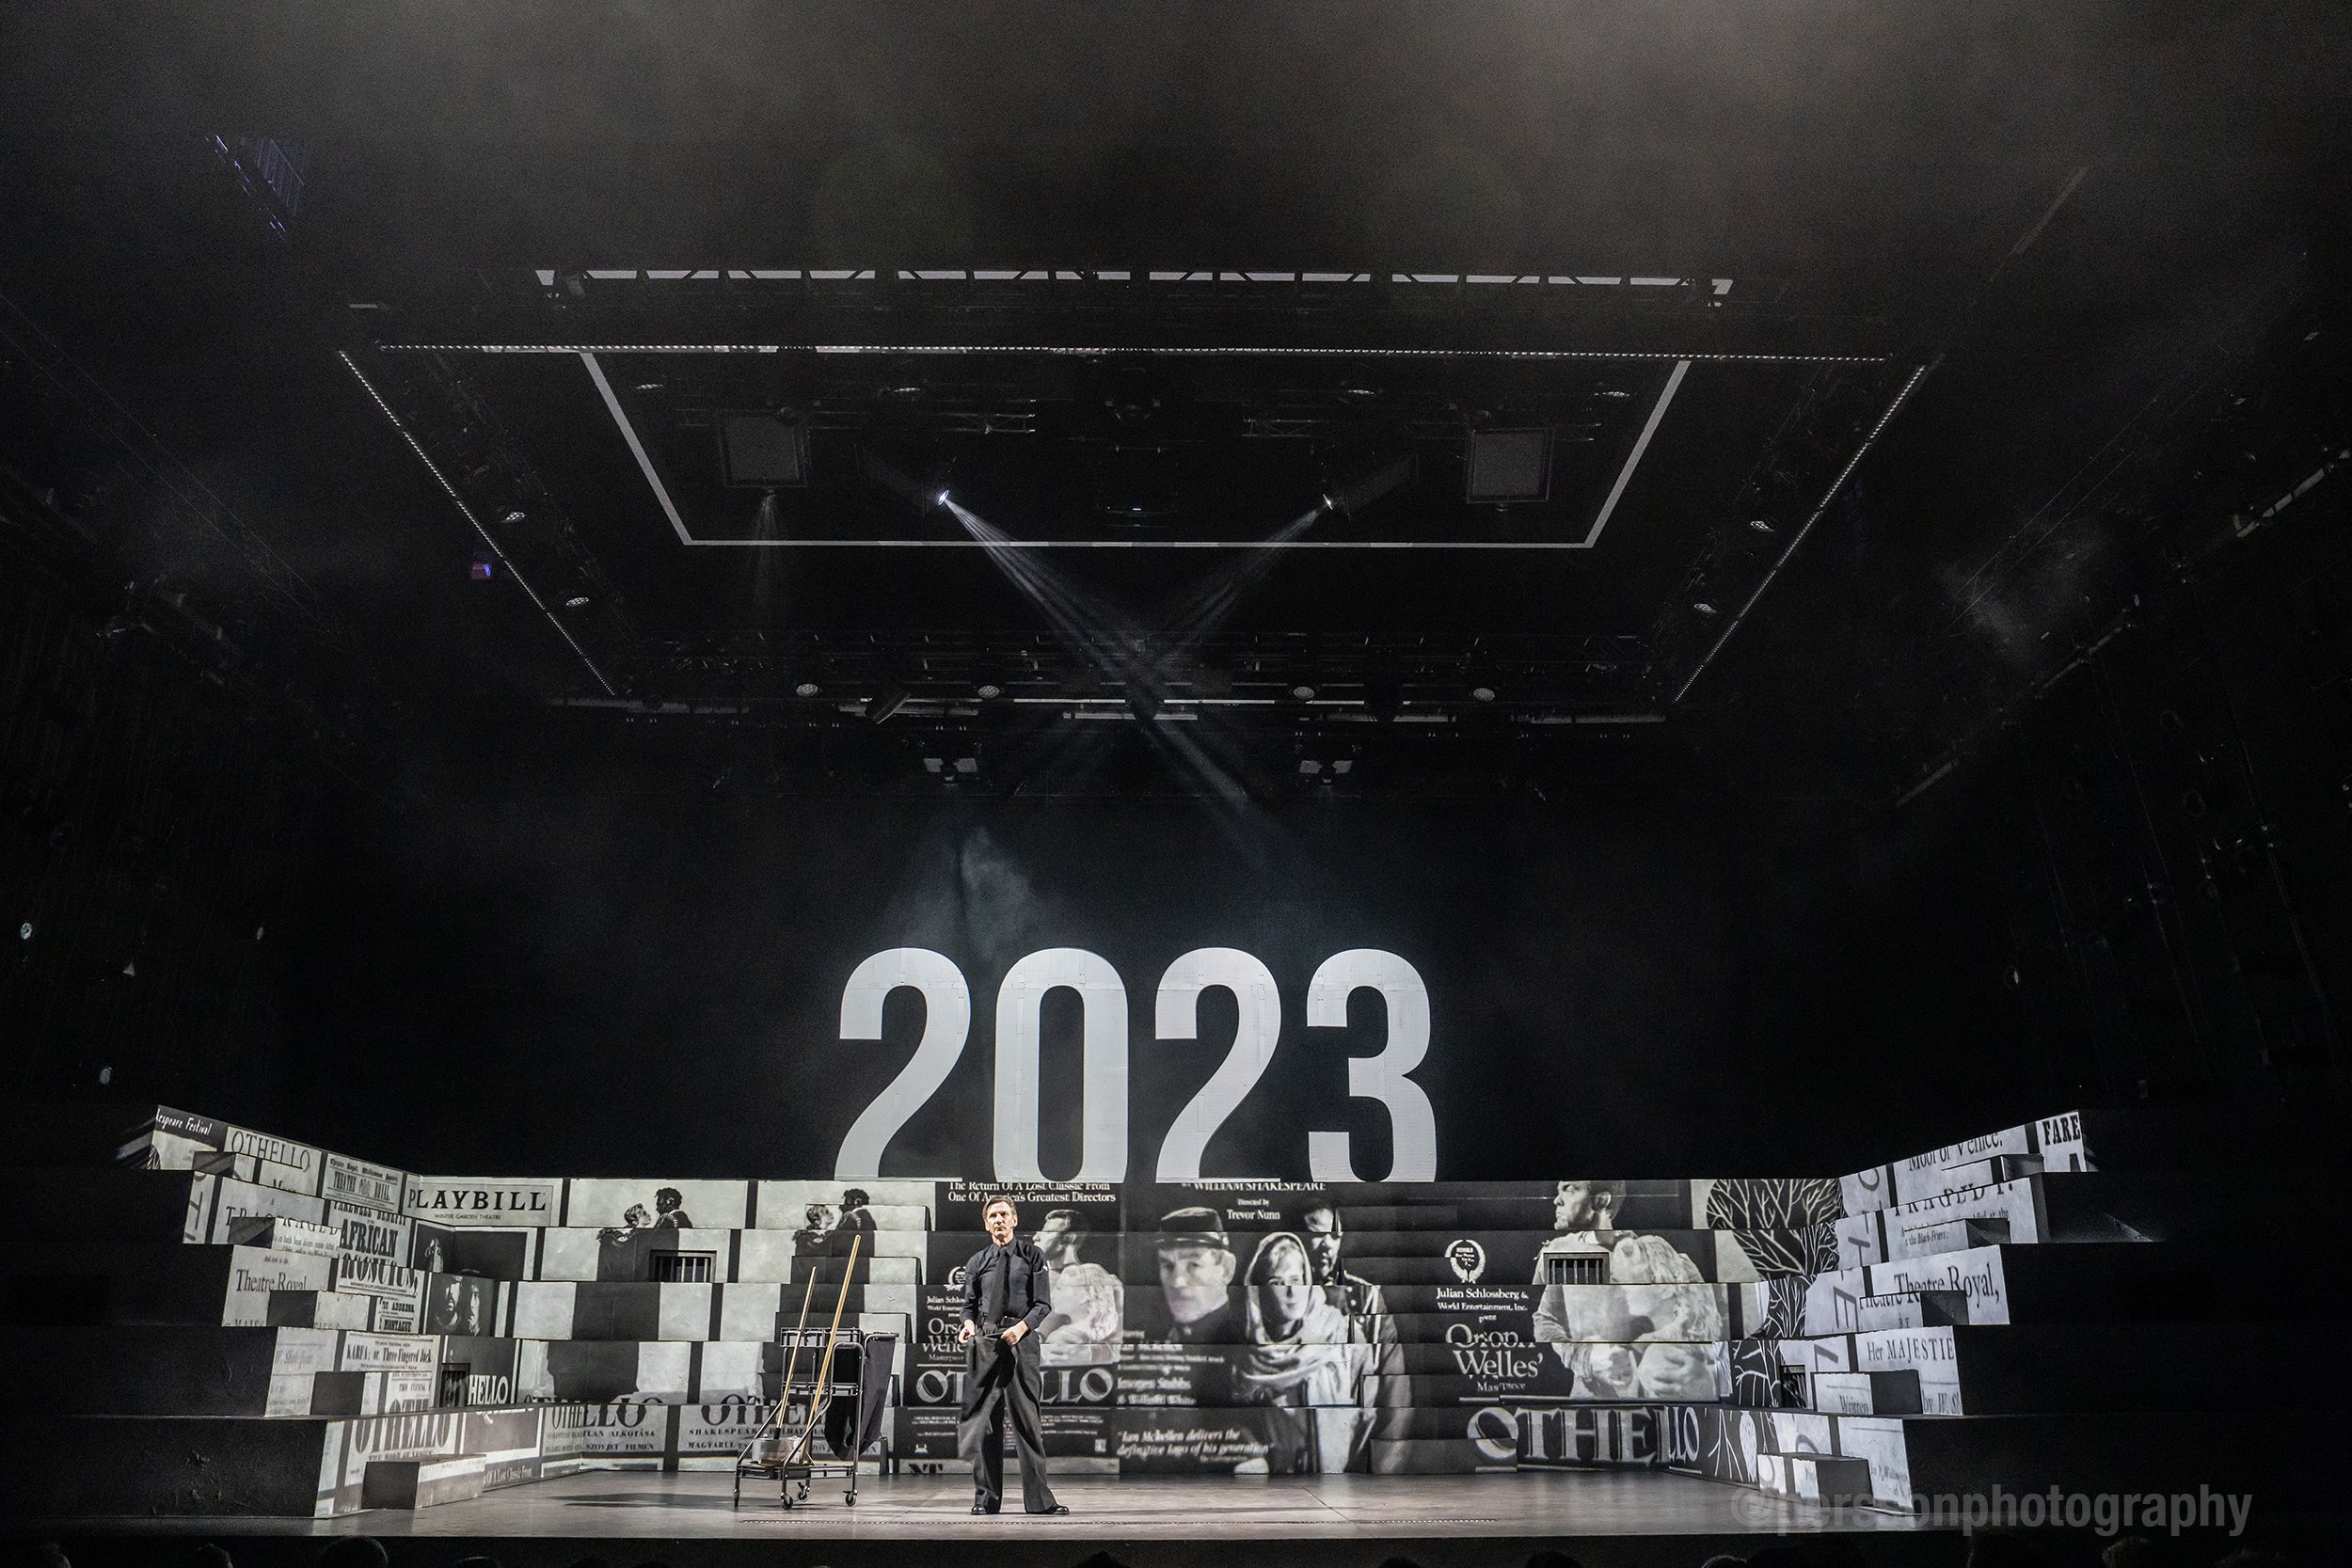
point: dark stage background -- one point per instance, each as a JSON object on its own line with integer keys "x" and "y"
{"x": 630, "y": 971}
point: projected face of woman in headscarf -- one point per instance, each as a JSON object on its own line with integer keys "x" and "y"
{"x": 1281, "y": 1285}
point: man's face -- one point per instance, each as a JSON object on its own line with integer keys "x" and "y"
{"x": 1575, "y": 1207}
{"x": 1324, "y": 1234}
{"x": 1196, "y": 1278}
{"x": 1000, "y": 1220}
{"x": 1053, "y": 1237}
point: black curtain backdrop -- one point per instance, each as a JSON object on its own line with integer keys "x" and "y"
{"x": 632, "y": 972}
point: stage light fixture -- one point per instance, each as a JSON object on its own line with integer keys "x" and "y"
{"x": 512, "y": 517}
{"x": 1359, "y": 490}
{"x": 967, "y": 764}
{"x": 761, "y": 450}
{"x": 1310, "y": 767}
{"x": 1304, "y": 693}
{"x": 806, "y": 689}
{"x": 989, "y": 691}
{"x": 1759, "y": 525}
{"x": 1345, "y": 765}
{"x": 577, "y": 601}
{"x": 940, "y": 497}
{"x": 479, "y": 571}
{"x": 1482, "y": 693}
{"x": 933, "y": 765}
{"x": 1702, "y": 607}
{"x": 1503, "y": 466}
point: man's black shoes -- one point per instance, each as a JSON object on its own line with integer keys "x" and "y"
{"x": 1057, "y": 1508}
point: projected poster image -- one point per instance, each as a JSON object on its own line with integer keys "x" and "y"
{"x": 1088, "y": 1299}
{"x": 1264, "y": 1336}
{"x": 460, "y": 1304}
{"x": 1784, "y": 1226}
{"x": 829, "y": 1234}
{"x": 1631, "y": 1316}
{"x": 625, "y": 1251}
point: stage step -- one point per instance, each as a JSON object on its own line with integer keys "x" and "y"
{"x": 2279, "y": 1454}
{"x": 2085, "y": 1206}
{"x": 155, "y": 1283}
{"x": 319, "y": 1309}
{"x": 1912, "y": 1309}
{"x": 120, "y": 1205}
{"x": 412, "y": 1484}
{"x": 300, "y": 1466}
{"x": 1847, "y": 1393}
{"x": 2295, "y": 1143}
{"x": 2066, "y": 1282}
{"x": 37, "y": 1134}
{"x": 2018, "y": 1368}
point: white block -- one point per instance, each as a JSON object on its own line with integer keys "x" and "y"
{"x": 543, "y": 1309}
{"x": 730, "y": 1368}
{"x": 685, "y": 1311}
{"x": 749, "y": 1311}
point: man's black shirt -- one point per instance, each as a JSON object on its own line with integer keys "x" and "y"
{"x": 1009, "y": 1281}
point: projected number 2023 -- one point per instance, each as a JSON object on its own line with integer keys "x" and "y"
{"x": 1103, "y": 1084}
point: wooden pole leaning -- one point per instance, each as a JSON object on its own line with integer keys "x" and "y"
{"x": 822, "y": 1395}
{"x": 749, "y": 1458}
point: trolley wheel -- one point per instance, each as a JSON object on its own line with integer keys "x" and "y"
{"x": 848, "y": 1499}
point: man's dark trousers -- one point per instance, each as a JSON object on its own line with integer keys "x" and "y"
{"x": 1000, "y": 1381}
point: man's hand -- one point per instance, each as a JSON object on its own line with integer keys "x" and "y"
{"x": 1014, "y": 1335}
{"x": 971, "y": 1332}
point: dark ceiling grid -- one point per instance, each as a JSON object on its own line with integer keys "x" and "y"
{"x": 1826, "y": 436}
{"x": 1329, "y": 381}
{"x": 471, "y": 457}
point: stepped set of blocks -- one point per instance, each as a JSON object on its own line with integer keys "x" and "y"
{"x": 228, "y": 1322}
{"x": 2075, "y": 1303}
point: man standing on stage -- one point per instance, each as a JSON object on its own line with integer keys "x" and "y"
{"x": 1007, "y": 1290}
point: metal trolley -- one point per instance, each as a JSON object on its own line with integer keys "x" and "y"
{"x": 845, "y": 1390}
{"x": 847, "y": 1404}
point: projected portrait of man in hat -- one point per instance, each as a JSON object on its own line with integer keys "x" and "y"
{"x": 1197, "y": 1267}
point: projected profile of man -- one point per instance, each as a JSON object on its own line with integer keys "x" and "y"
{"x": 1088, "y": 1299}
{"x": 1586, "y": 1205}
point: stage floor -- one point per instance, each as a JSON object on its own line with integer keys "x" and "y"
{"x": 1259, "y": 1509}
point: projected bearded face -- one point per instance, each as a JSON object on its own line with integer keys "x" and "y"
{"x": 1324, "y": 1236}
{"x": 1196, "y": 1279}
{"x": 1280, "y": 1286}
